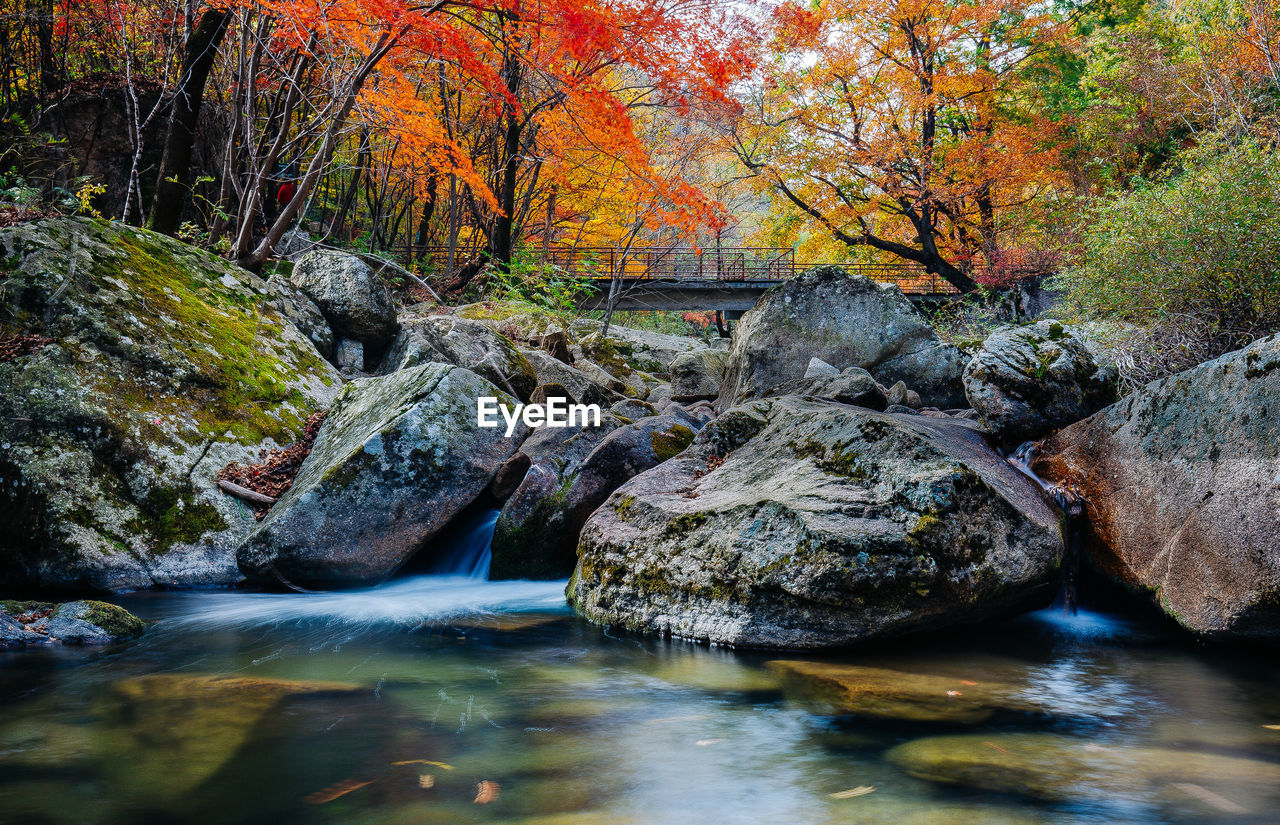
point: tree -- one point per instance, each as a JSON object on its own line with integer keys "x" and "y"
{"x": 897, "y": 125}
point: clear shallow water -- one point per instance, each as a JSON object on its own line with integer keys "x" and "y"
{"x": 400, "y": 704}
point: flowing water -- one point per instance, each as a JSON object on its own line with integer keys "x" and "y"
{"x": 444, "y": 698}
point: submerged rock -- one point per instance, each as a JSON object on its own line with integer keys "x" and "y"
{"x": 1181, "y": 482}
{"x": 846, "y": 321}
{"x": 167, "y": 363}
{"x": 797, "y": 523}
{"x": 396, "y": 459}
{"x": 1052, "y": 767}
{"x": 1027, "y": 381}
{"x": 537, "y": 533}
{"x": 351, "y": 295}
{"x": 894, "y": 694}
{"x": 445, "y": 339}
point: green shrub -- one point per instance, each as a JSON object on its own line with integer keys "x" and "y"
{"x": 1197, "y": 255}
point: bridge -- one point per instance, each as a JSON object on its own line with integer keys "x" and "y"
{"x": 725, "y": 279}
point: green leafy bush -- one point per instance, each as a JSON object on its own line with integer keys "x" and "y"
{"x": 1192, "y": 263}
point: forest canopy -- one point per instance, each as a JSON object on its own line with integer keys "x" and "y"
{"x": 985, "y": 141}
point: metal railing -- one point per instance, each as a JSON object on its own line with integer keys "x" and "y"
{"x": 726, "y": 264}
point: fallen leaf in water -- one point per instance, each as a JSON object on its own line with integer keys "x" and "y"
{"x": 861, "y": 790}
{"x": 1272, "y": 727}
{"x": 487, "y": 791}
{"x": 1210, "y": 798}
{"x": 334, "y": 791}
{"x": 702, "y": 743}
{"x": 968, "y": 682}
{"x": 440, "y": 765}
{"x": 954, "y": 693}
{"x": 994, "y": 745}
{"x": 426, "y": 780}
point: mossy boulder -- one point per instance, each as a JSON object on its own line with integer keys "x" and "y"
{"x": 844, "y": 320}
{"x": 625, "y": 348}
{"x": 1026, "y": 381}
{"x": 24, "y": 624}
{"x": 166, "y": 364}
{"x": 445, "y": 339}
{"x": 537, "y": 531}
{"x": 793, "y": 523}
{"x": 1181, "y": 483}
{"x": 397, "y": 458}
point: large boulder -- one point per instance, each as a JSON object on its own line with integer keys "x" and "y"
{"x": 846, "y": 321}
{"x": 1026, "y": 381}
{"x": 1181, "y": 482}
{"x": 853, "y": 386}
{"x": 356, "y": 301}
{"x": 24, "y": 624}
{"x": 537, "y": 532}
{"x": 166, "y": 363}
{"x": 303, "y": 313}
{"x": 446, "y": 339}
{"x": 581, "y": 387}
{"x": 697, "y": 374}
{"x": 793, "y": 523}
{"x": 396, "y": 459}
{"x": 640, "y": 349}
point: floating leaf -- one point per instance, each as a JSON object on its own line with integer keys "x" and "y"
{"x": 861, "y": 790}
{"x": 487, "y": 791}
{"x": 954, "y": 693}
{"x": 334, "y": 791}
{"x": 1272, "y": 727}
{"x": 440, "y": 765}
{"x": 702, "y": 743}
{"x": 426, "y": 780}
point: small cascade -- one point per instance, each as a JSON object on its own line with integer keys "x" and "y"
{"x": 471, "y": 555}
{"x": 1072, "y": 505}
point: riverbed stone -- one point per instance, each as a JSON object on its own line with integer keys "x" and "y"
{"x": 582, "y": 387}
{"x": 166, "y": 363}
{"x": 853, "y": 386}
{"x": 845, "y": 321}
{"x": 697, "y": 374}
{"x": 1026, "y": 381}
{"x": 885, "y": 693}
{"x": 1063, "y": 768}
{"x": 353, "y": 297}
{"x": 792, "y": 523}
{"x": 1181, "y": 483}
{"x": 537, "y": 532}
{"x": 446, "y": 339}
{"x": 397, "y": 458}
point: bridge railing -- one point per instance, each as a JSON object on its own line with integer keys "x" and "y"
{"x": 732, "y": 264}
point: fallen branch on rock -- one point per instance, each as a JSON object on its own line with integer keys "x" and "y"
{"x": 261, "y": 485}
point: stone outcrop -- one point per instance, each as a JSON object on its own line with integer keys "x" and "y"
{"x": 572, "y": 474}
{"x": 351, "y": 295}
{"x": 697, "y": 374}
{"x": 445, "y": 339}
{"x": 1027, "y": 381}
{"x": 797, "y": 523}
{"x": 1181, "y": 482}
{"x": 396, "y": 459}
{"x": 163, "y": 365}
{"x": 845, "y": 321}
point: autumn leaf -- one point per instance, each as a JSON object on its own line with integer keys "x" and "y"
{"x": 335, "y": 791}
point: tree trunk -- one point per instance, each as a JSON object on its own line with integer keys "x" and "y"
{"x": 175, "y": 165}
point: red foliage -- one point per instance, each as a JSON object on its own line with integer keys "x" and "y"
{"x": 16, "y": 346}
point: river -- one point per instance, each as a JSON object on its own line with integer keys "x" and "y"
{"x": 451, "y": 699}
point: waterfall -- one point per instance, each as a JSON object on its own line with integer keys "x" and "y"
{"x": 1072, "y": 506}
{"x": 471, "y": 556}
